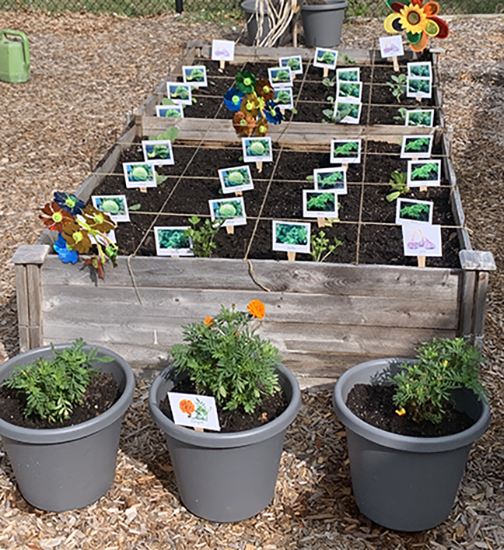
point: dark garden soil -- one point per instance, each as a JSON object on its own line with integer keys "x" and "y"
{"x": 310, "y": 94}
{"x": 366, "y": 225}
{"x": 100, "y": 395}
{"x": 238, "y": 420}
{"x": 374, "y": 405}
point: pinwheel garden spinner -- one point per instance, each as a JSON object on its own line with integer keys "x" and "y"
{"x": 252, "y": 102}
{"x": 418, "y": 20}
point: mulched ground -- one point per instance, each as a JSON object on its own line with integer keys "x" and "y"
{"x": 88, "y": 72}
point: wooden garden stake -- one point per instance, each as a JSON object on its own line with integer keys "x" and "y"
{"x": 238, "y": 193}
{"x": 230, "y": 229}
{"x": 143, "y": 189}
{"x": 291, "y": 256}
{"x": 419, "y": 99}
{"x": 421, "y": 261}
{"x": 259, "y": 166}
{"x": 222, "y": 64}
{"x": 295, "y": 36}
{"x": 396, "y": 63}
{"x": 326, "y": 72}
{"x": 199, "y": 430}
{"x": 321, "y": 222}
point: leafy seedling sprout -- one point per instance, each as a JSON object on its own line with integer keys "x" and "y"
{"x": 398, "y": 184}
{"x": 321, "y": 247}
{"x": 398, "y": 86}
{"x": 203, "y": 236}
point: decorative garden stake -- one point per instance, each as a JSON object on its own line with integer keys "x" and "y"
{"x": 419, "y": 21}
{"x": 80, "y": 228}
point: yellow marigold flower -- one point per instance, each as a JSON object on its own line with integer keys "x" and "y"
{"x": 209, "y": 321}
{"x": 401, "y": 411}
{"x": 257, "y": 309}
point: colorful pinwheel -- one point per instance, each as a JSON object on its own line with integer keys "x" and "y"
{"x": 253, "y": 104}
{"x": 419, "y": 21}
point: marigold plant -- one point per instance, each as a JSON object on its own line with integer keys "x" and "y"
{"x": 225, "y": 358}
{"x": 423, "y": 389}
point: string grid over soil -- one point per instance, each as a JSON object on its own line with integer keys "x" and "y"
{"x": 87, "y": 72}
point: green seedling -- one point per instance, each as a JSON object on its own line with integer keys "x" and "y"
{"x": 203, "y": 236}
{"x": 135, "y": 207}
{"x": 321, "y": 248}
{"x": 401, "y": 117}
{"x": 398, "y": 86}
{"x": 167, "y": 101}
{"x": 398, "y": 184}
{"x": 329, "y": 82}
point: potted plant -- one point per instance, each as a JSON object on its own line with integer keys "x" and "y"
{"x": 61, "y": 463}
{"x": 409, "y": 482}
{"x": 323, "y": 22}
{"x": 228, "y": 476}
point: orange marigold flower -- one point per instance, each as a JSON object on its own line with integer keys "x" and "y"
{"x": 208, "y": 321}
{"x": 186, "y": 406}
{"x": 256, "y": 309}
{"x": 401, "y": 411}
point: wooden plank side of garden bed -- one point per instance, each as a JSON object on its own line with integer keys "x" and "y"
{"x": 296, "y": 135}
{"x": 384, "y": 281}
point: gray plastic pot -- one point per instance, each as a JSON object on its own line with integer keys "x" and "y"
{"x": 67, "y": 468}
{"x": 322, "y": 23}
{"x": 405, "y": 483}
{"x": 225, "y": 476}
{"x": 249, "y": 8}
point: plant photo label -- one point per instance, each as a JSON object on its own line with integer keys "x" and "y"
{"x": 196, "y": 411}
{"x": 223, "y": 50}
{"x": 416, "y": 147}
{"x": 348, "y": 75}
{"x": 331, "y": 179}
{"x": 257, "y": 149}
{"x": 237, "y": 179}
{"x": 139, "y": 174}
{"x": 346, "y": 111}
{"x": 391, "y": 46}
{"x": 179, "y": 93}
{"x": 349, "y": 91}
{"x": 420, "y": 69}
{"x": 422, "y": 241}
{"x": 115, "y": 206}
{"x": 195, "y": 75}
{"x": 170, "y": 111}
{"x": 410, "y": 211}
{"x": 346, "y": 151}
{"x": 424, "y": 173}
{"x": 284, "y": 98}
{"x": 294, "y": 63}
{"x": 418, "y": 87}
{"x": 320, "y": 204}
{"x": 420, "y": 117}
{"x": 291, "y": 237}
{"x": 158, "y": 152}
{"x": 280, "y": 77}
{"x": 232, "y": 211}
{"x": 325, "y": 58}
{"x": 172, "y": 241}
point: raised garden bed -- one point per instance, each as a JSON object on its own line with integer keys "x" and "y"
{"x": 323, "y": 317}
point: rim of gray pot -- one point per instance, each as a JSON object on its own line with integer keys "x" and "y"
{"x": 226, "y": 440}
{"x": 77, "y": 431}
{"x": 358, "y": 374}
{"x": 331, "y": 5}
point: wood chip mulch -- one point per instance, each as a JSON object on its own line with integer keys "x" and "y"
{"x": 88, "y": 72}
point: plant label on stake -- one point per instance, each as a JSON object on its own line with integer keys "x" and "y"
{"x": 424, "y": 173}
{"x": 284, "y": 98}
{"x": 257, "y": 150}
{"x": 392, "y": 46}
{"x": 325, "y": 59}
{"x": 157, "y": 152}
{"x": 170, "y": 111}
{"x": 348, "y": 75}
{"x": 294, "y": 63}
{"x": 291, "y": 237}
{"x": 422, "y": 242}
{"x": 195, "y": 75}
{"x": 139, "y": 175}
{"x": 222, "y": 51}
{"x": 331, "y": 179}
{"x": 173, "y": 241}
{"x": 236, "y": 180}
{"x": 416, "y": 147}
{"x": 347, "y": 151}
{"x": 410, "y": 211}
{"x": 280, "y": 77}
{"x": 320, "y": 205}
{"x": 196, "y": 411}
{"x": 116, "y": 206}
{"x": 179, "y": 93}
{"x": 232, "y": 211}
{"x": 420, "y": 117}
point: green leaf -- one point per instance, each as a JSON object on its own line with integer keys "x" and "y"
{"x": 135, "y": 207}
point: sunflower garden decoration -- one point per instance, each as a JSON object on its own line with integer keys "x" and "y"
{"x": 80, "y": 228}
{"x": 253, "y": 103}
{"x": 419, "y": 21}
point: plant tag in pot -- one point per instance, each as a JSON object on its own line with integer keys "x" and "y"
{"x": 196, "y": 411}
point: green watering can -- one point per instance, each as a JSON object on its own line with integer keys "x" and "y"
{"x": 14, "y": 57}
